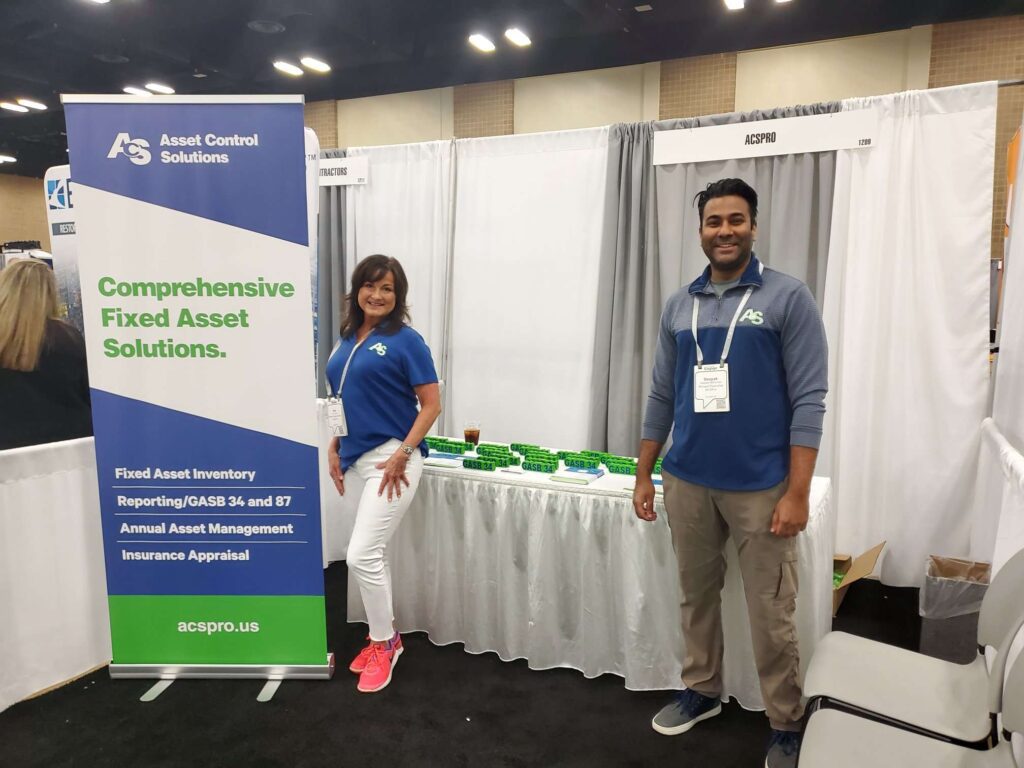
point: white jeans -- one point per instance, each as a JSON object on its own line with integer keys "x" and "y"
{"x": 376, "y": 521}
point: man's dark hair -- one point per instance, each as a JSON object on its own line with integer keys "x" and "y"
{"x": 725, "y": 188}
{"x": 370, "y": 270}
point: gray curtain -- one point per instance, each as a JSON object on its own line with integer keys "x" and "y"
{"x": 657, "y": 248}
{"x": 629, "y": 284}
{"x": 331, "y": 286}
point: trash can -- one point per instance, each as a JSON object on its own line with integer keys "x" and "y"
{"x": 950, "y": 600}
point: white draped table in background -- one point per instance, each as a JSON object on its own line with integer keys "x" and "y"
{"x": 53, "y": 596}
{"x": 567, "y": 576}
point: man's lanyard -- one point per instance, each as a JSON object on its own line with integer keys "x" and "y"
{"x": 732, "y": 326}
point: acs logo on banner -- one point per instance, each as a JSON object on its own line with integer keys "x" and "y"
{"x": 136, "y": 150}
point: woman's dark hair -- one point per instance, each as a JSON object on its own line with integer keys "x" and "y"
{"x": 725, "y": 188}
{"x": 370, "y": 270}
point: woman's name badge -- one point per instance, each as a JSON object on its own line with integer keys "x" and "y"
{"x": 711, "y": 388}
{"x": 336, "y": 418}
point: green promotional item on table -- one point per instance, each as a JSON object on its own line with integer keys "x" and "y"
{"x": 621, "y": 468}
{"x": 445, "y": 445}
{"x": 482, "y": 451}
{"x": 581, "y": 462}
{"x": 485, "y": 465}
{"x": 540, "y": 466}
{"x": 523, "y": 447}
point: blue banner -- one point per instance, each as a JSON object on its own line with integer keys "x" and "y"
{"x": 192, "y": 236}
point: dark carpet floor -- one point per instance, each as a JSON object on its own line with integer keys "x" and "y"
{"x": 444, "y": 708}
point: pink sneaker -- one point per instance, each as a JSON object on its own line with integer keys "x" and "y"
{"x": 359, "y": 662}
{"x": 380, "y": 661}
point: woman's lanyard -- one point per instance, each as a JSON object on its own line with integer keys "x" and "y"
{"x": 336, "y": 421}
{"x": 711, "y": 382}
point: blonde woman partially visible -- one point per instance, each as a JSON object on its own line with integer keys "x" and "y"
{"x": 44, "y": 386}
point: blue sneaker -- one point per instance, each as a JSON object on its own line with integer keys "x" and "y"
{"x": 686, "y": 709}
{"x": 783, "y": 749}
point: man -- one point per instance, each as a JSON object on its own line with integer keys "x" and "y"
{"x": 741, "y": 373}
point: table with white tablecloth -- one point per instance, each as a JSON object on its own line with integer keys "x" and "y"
{"x": 53, "y": 596}
{"x": 567, "y": 576}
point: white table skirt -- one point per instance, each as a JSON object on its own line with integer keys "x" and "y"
{"x": 567, "y": 576}
{"x": 53, "y": 596}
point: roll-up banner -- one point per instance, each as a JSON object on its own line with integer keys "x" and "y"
{"x": 195, "y": 272}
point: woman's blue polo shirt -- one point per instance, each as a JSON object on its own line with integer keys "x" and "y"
{"x": 378, "y": 395}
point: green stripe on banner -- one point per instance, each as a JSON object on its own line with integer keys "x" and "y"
{"x": 218, "y": 629}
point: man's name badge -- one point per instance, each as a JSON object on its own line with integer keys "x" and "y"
{"x": 336, "y": 418}
{"x": 711, "y": 388}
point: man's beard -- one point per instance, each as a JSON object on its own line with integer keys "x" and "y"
{"x": 728, "y": 264}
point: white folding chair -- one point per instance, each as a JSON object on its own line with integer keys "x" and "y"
{"x": 950, "y": 702}
{"x": 838, "y": 739}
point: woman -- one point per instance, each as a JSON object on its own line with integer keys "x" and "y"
{"x": 379, "y": 370}
{"x": 44, "y": 386}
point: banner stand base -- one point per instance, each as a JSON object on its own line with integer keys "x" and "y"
{"x": 225, "y": 671}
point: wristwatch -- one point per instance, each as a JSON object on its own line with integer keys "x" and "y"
{"x": 407, "y": 449}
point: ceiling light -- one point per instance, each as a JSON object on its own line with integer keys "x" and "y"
{"x": 781, "y": 1}
{"x": 136, "y": 91}
{"x": 315, "y": 64}
{"x": 734, "y": 5}
{"x": 265, "y": 26}
{"x": 158, "y": 88}
{"x": 111, "y": 57}
{"x": 32, "y": 104}
{"x": 516, "y": 36}
{"x": 288, "y": 69}
{"x": 481, "y": 43}
{"x": 643, "y": 8}
{"x": 101, "y": 2}
{"x": 13, "y": 107}
{"x": 7, "y": 159}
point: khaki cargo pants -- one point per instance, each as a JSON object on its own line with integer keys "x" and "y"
{"x": 702, "y": 519}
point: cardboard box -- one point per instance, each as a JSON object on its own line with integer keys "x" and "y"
{"x": 853, "y": 569}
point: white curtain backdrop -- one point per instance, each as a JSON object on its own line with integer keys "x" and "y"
{"x": 529, "y": 225}
{"x": 999, "y": 502}
{"x": 1007, "y": 493}
{"x": 404, "y": 211}
{"x": 1008, "y": 404}
{"x": 906, "y": 312}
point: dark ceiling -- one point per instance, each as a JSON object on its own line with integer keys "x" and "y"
{"x": 48, "y": 47}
